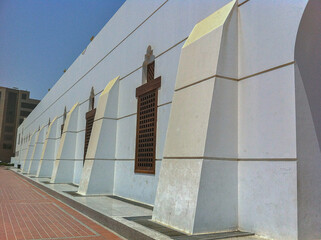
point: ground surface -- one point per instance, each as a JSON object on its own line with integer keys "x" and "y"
{"x": 26, "y": 212}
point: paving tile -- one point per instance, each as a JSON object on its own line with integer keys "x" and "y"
{"x": 28, "y": 213}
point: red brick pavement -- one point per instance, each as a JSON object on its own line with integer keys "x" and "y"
{"x": 26, "y": 212}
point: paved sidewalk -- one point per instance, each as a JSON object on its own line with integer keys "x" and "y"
{"x": 126, "y": 217}
{"x": 26, "y": 212}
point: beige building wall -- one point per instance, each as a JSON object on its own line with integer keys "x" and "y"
{"x": 15, "y": 106}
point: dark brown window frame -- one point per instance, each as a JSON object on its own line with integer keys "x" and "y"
{"x": 150, "y": 71}
{"x": 147, "y": 88}
{"x": 64, "y": 117}
{"x": 62, "y": 129}
{"x": 89, "y": 126}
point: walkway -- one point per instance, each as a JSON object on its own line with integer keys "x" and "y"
{"x": 26, "y": 212}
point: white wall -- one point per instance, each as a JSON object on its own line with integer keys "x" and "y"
{"x": 268, "y": 198}
{"x": 267, "y": 144}
{"x": 123, "y": 43}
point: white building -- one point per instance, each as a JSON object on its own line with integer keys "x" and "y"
{"x": 228, "y": 100}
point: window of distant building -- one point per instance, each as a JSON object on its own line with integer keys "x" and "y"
{"x": 11, "y": 107}
{"x": 90, "y": 117}
{"x": 24, "y": 113}
{"x": 147, "y": 96}
{"x": 24, "y": 96}
{"x": 28, "y": 105}
{"x": 7, "y": 146}
{"x": 9, "y": 129}
{"x": 8, "y": 137}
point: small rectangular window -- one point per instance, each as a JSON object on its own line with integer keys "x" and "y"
{"x": 8, "y": 137}
{"x": 24, "y": 96}
{"x": 7, "y": 146}
{"x": 9, "y": 129}
{"x": 24, "y": 113}
{"x": 28, "y": 105}
{"x": 11, "y": 108}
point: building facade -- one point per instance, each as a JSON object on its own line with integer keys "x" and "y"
{"x": 15, "y": 106}
{"x": 210, "y": 112}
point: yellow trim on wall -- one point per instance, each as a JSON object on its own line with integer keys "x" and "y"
{"x": 210, "y": 23}
{"x": 72, "y": 109}
{"x": 109, "y": 85}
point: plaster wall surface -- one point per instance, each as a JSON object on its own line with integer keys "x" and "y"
{"x": 178, "y": 198}
{"x": 267, "y": 108}
{"x": 165, "y": 30}
{"x": 49, "y": 150}
{"x": 100, "y": 157}
{"x": 217, "y": 197}
{"x": 163, "y": 24}
{"x": 309, "y": 167}
{"x": 64, "y": 166}
{"x": 270, "y": 115}
{"x": 36, "y": 155}
{"x": 267, "y": 197}
{"x": 267, "y": 34}
{"x": 140, "y": 187}
{"x": 267, "y": 128}
{"x": 185, "y": 195}
{"x": 26, "y": 161}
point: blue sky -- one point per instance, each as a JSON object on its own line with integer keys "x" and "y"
{"x": 41, "y": 38}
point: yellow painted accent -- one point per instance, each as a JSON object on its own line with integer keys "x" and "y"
{"x": 49, "y": 128}
{"x": 109, "y": 86}
{"x": 52, "y": 122}
{"x": 210, "y": 23}
{"x": 32, "y": 135}
{"x": 73, "y": 108}
{"x": 42, "y": 127}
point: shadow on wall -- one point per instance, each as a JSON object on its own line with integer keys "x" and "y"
{"x": 308, "y": 59}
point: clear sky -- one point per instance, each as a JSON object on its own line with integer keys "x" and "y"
{"x": 41, "y": 38}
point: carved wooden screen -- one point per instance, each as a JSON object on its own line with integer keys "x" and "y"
{"x": 62, "y": 129}
{"x": 150, "y": 71}
{"x": 90, "y": 116}
{"x": 145, "y": 155}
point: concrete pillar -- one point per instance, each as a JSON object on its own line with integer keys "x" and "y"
{"x": 98, "y": 173}
{"x": 26, "y": 162}
{"x": 35, "y": 158}
{"x": 49, "y": 151}
{"x": 63, "y": 171}
{"x": 198, "y": 189}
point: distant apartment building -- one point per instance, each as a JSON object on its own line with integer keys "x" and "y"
{"x": 15, "y": 106}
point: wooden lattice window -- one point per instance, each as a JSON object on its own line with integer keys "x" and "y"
{"x": 150, "y": 71}
{"x": 64, "y": 116}
{"x": 62, "y": 129}
{"x": 92, "y": 99}
{"x": 90, "y": 117}
{"x": 145, "y": 155}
